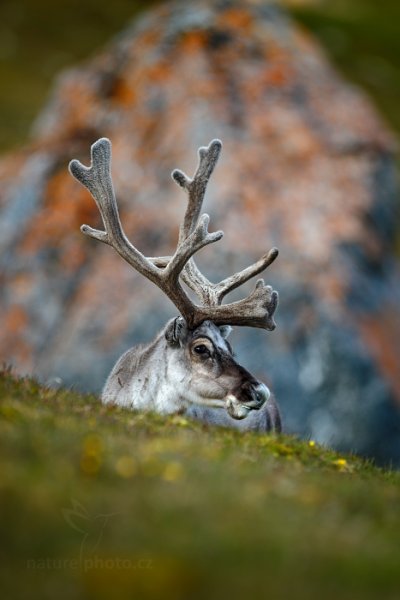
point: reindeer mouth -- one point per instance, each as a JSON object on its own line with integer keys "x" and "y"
{"x": 210, "y": 403}
{"x": 252, "y": 397}
{"x": 238, "y": 409}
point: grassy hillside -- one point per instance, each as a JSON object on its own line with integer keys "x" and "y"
{"x": 100, "y": 502}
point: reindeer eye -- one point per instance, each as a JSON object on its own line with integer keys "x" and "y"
{"x": 202, "y": 349}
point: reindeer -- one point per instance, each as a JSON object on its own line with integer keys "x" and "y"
{"x": 189, "y": 367}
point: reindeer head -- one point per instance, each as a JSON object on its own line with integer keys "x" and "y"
{"x": 212, "y": 375}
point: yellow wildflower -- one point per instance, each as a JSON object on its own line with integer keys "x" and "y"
{"x": 126, "y": 467}
{"x": 173, "y": 471}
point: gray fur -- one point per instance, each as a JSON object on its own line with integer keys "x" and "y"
{"x": 168, "y": 376}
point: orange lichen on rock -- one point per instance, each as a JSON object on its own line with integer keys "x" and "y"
{"x": 149, "y": 38}
{"x": 193, "y": 41}
{"x": 381, "y": 335}
{"x": 65, "y": 208}
{"x": 15, "y": 319}
{"x": 236, "y": 18}
{"x": 123, "y": 93}
{"x": 160, "y": 72}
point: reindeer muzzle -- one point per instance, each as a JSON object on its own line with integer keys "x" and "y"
{"x": 249, "y": 397}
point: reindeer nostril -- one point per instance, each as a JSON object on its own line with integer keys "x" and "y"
{"x": 262, "y": 393}
{"x": 251, "y": 395}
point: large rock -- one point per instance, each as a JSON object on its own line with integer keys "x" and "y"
{"x": 307, "y": 166}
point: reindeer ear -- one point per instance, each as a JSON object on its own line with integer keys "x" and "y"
{"x": 225, "y": 331}
{"x": 176, "y": 331}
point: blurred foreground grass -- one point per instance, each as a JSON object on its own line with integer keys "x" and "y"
{"x": 100, "y": 502}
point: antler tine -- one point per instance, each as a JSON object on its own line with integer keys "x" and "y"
{"x": 210, "y": 294}
{"x": 199, "y": 238}
{"x": 195, "y": 188}
{"x": 217, "y": 291}
{"x": 257, "y": 310}
{"x": 234, "y": 281}
{"x": 97, "y": 179}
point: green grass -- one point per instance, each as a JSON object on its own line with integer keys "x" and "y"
{"x": 190, "y": 511}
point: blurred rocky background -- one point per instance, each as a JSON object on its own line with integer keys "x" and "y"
{"x": 307, "y": 165}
